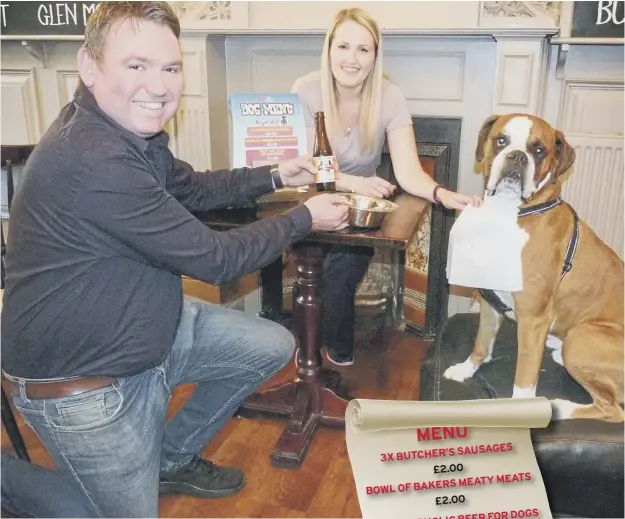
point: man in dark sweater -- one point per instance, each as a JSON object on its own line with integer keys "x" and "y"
{"x": 95, "y": 331}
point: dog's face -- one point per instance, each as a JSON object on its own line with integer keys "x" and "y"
{"x": 521, "y": 153}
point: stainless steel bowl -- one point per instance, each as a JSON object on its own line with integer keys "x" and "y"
{"x": 366, "y": 211}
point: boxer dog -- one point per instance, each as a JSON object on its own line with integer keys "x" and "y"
{"x": 572, "y": 297}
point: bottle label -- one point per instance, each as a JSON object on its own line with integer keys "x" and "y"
{"x": 325, "y": 169}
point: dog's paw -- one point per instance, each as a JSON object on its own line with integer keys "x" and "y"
{"x": 461, "y": 371}
{"x": 563, "y": 409}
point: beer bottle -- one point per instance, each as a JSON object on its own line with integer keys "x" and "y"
{"x": 323, "y": 158}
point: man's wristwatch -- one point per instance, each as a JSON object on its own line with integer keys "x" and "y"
{"x": 437, "y": 200}
{"x": 275, "y": 176}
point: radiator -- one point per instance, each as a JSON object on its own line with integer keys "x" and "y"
{"x": 595, "y": 186}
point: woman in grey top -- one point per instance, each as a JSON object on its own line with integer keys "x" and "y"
{"x": 361, "y": 106}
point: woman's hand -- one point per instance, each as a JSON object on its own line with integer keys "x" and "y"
{"x": 369, "y": 186}
{"x": 453, "y": 200}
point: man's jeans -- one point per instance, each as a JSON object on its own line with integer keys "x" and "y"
{"x": 114, "y": 441}
{"x": 29, "y": 490}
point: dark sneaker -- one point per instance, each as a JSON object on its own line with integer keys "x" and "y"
{"x": 339, "y": 359}
{"x": 202, "y": 478}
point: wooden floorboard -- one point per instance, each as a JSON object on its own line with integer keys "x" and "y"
{"x": 387, "y": 367}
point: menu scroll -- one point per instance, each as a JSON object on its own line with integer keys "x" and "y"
{"x": 447, "y": 460}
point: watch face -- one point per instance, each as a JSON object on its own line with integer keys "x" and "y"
{"x": 275, "y": 175}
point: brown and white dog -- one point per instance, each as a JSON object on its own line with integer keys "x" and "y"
{"x": 578, "y": 313}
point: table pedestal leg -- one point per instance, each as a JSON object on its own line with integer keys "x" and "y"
{"x": 310, "y": 399}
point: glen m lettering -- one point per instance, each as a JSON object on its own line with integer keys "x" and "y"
{"x": 64, "y": 13}
{"x": 441, "y": 433}
{"x": 606, "y": 12}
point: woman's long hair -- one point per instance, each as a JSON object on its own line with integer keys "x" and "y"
{"x": 371, "y": 94}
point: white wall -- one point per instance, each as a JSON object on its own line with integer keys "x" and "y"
{"x": 389, "y": 14}
{"x": 438, "y": 77}
{"x": 31, "y": 94}
{"x": 584, "y": 99}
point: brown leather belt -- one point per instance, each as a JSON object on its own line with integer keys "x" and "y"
{"x": 59, "y": 388}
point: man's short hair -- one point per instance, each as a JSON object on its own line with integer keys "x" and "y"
{"x": 108, "y": 13}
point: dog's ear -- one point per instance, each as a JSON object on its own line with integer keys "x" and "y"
{"x": 565, "y": 155}
{"x": 481, "y": 139}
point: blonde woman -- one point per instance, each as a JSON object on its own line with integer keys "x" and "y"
{"x": 361, "y": 106}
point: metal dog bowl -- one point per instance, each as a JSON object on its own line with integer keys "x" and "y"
{"x": 366, "y": 211}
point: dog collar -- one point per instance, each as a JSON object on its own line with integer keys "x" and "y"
{"x": 493, "y": 299}
{"x": 541, "y": 208}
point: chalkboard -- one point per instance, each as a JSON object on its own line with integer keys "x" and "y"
{"x": 598, "y": 19}
{"x": 44, "y": 18}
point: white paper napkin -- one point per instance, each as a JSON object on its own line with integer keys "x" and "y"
{"x": 485, "y": 245}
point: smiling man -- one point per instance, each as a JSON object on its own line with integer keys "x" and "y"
{"x": 138, "y": 80}
{"x": 96, "y": 333}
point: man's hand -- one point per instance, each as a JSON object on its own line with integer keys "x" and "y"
{"x": 453, "y": 200}
{"x": 329, "y": 212}
{"x": 370, "y": 186}
{"x": 297, "y": 172}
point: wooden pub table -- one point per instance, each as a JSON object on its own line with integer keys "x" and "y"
{"x": 311, "y": 399}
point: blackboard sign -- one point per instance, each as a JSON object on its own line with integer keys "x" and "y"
{"x": 598, "y": 19}
{"x": 44, "y": 18}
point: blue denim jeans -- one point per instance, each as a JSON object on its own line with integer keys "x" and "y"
{"x": 113, "y": 442}
{"x": 32, "y": 491}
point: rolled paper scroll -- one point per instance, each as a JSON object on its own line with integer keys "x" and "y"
{"x": 451, "y": 460}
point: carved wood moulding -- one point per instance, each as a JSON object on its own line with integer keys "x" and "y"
{"x": 212, "y": 16}
{"x": 521, "y": 13}
{"x": 199, "y": 11}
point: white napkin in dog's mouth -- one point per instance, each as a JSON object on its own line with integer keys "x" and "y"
{"x": 485, "y": 245}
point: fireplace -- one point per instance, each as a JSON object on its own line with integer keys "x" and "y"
{"x": 420, "y": 300}
{"x": 425, "y": 288}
